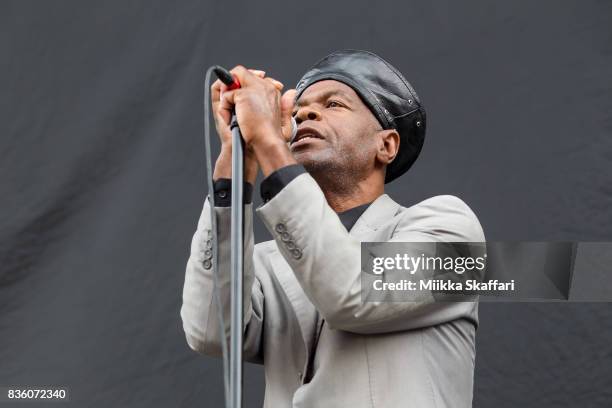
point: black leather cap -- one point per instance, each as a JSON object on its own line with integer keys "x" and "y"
{"x": 384, "y": 91}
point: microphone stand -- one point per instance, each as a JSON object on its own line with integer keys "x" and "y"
{"x": 237, "y": 272}
{"x": 237, "y": 250}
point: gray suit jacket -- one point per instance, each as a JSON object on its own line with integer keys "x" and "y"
{"x": 364, "y": 354}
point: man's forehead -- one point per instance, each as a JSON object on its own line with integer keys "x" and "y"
{"x": 324, "y": 89}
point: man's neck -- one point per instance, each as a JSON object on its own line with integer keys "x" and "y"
{"x": 342, "y": 195}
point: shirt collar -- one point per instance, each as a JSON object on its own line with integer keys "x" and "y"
{"x": 350, "y": 217}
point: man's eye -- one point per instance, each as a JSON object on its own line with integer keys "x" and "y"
{"x": 333, "y": 104}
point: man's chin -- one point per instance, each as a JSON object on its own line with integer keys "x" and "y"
{"x": 313, "y": 161}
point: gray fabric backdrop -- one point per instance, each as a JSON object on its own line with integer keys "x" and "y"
{"x": 102, "y": 175}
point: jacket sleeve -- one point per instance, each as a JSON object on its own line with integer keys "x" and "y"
{"x": 199, "y": 310}
{"x": 326, "y": 259}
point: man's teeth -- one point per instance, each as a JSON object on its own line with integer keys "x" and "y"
{"x": 308, "y": 137}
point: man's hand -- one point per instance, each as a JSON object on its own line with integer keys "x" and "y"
{"x": 264, "y": 117}
{"x": 223, "y": 166}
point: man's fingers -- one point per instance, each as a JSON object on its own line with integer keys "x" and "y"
{"x": 245, "y": 76}
{"x": 227, "y": 100}
{"x": 219, "y": 87}
{"x": 258, "y": 72}
{"x": 216, "y": 89}
{"x": 248, "y": 76}
{"x": 226, "y": 105}
{"x": 277, "y": 84}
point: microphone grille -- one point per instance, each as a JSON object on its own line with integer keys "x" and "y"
{"x": 293, "y": 128}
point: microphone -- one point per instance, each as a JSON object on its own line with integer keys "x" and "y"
{"x": 233, "y": 83}
{"x": 226, "y": 77}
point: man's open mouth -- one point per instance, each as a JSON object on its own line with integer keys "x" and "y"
{"x": 305, "y": 134}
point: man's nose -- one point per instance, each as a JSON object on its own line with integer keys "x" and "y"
{"x": 307, "y": 113}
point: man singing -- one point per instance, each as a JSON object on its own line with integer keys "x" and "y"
{"x": 360, "y": 125}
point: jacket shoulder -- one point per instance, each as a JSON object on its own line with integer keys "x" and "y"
{"x": 447, "y": 216}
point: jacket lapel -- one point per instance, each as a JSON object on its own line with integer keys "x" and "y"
{"x": 379, "y": 212}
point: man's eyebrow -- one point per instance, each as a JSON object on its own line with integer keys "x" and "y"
{"x": 324, "y": 95}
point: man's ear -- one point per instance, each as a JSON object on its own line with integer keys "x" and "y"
{"x": 388, "y": 146}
